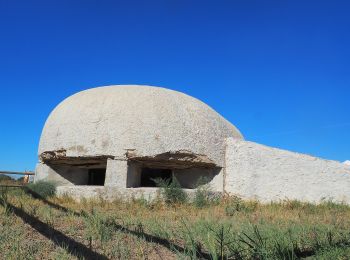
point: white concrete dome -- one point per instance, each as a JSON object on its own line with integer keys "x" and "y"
{"x": 109, "y": 121}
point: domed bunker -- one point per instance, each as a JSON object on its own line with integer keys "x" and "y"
{"x": 115, "y": 141}
{"x": 124, "y": 137}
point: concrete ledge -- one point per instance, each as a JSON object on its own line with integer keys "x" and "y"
{"x": 111, "y": 193}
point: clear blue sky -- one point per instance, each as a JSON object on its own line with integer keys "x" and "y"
{"x": 278, "y": 70}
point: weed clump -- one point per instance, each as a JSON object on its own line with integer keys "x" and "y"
{"x": 171, "y": 191}
{"x": 236, "y": 204}
{"x": 97, "y": 228}
{"x": 201, "y": 198}
{"x": 204, "y": 196}
{"x": 44, "y": 189}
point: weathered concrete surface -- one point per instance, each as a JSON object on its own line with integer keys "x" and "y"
{"x": 148, "y": 120}
{"x": 60, "y": 157}
{"x": 173, "y": 160}
{"x": 116, "y": 173}
{"x": 255, "y": 171}
{"x": 129, "y": 127}
{"x": 42, "y": 172}
{"x": 61, "y": 175}
{"x": 189, "y": 178}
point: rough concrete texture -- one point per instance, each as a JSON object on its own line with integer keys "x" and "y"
{"x": 129, "y": 127}
{"x": 61, "y": 175}
{"x": 60, "y": 158}
{"x": 173, "y": 160}
{"x": 116, "y": 173}
{"x": 109, "y": 121}
{"x": 255, "y": 171}
{"x": 190, "y": 178}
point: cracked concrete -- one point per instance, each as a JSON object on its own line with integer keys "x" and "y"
{"x": 60, "y": 157}
{"x": 151, "y": 120}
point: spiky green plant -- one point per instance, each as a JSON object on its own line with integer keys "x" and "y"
{"x": 171, "y": 191}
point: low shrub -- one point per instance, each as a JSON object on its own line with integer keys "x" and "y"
{"x": 171, "y": 190}
{"x": 236, "y": 204}
{"x": 5, "y": 178}
{"x": 204, "y": 196}
{"x": 200, "y": 199}
{"x": 44, "y": 189}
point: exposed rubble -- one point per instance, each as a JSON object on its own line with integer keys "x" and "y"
{"x": 177, "y": 160}
{"x": 60, "y": 157}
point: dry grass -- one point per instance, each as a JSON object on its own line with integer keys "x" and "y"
{"x": 61, "y": 228}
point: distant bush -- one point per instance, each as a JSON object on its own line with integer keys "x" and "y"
{"x": 44, "y": 189}
{"x": 6, "y": 178}
{"x": 171, "y": 190}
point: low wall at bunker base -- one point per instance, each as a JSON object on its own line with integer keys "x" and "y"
{"x": 255, "y": 171}
{"x": 111, "y": 193}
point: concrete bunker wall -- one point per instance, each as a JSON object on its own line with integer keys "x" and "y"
{"x": 67, "y": 175}
{"x": 61, "y": 175}
{"x": 255, "y": 171}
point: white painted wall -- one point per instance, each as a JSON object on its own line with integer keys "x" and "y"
{"x": 255, "y": 171}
